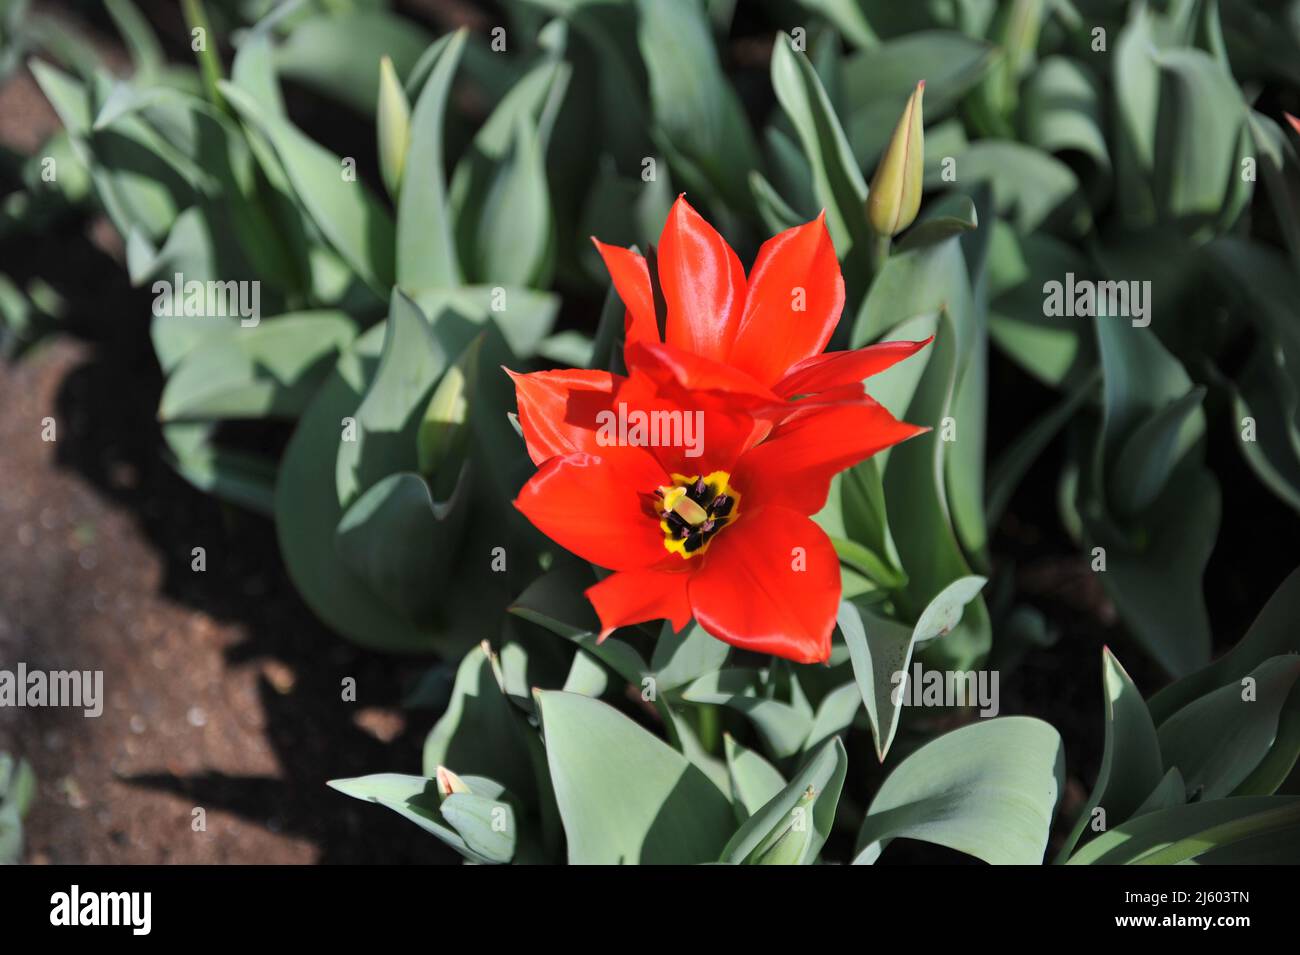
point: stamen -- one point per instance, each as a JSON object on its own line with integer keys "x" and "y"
{"x": 693, "y": 509}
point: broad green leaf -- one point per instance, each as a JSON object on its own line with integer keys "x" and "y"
{"x": 307, "y": 511}
{"x": 1272, "y": 633}
{"x": 625, "y": 796}
{"x": 878, "y": 81}
{"x": 338, "y": 53}
{"x": 270, "y": 369}
{"x": 397, "y": 539}
{"x": 1218, "y": 740}
{"x": 988, "y": 789}
{"x": 679, "y": 659}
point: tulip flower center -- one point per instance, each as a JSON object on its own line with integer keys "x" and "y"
{"x": 693, "y": 509}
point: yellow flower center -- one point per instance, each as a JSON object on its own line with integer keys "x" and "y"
{"x": 693, "y": 509}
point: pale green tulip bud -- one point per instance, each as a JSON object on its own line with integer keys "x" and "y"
{"x": 444, "y": 429}
{"x": 895, "y": 196}
{"x": 394, "y": 125}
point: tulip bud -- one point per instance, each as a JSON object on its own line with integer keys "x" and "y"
{"x": 445, "y": 427}
{"x": 449, "y": 782}
{"x": 895, "y": 196}
{"x": 788, "y": 844}
{"x": 394, "y": 125}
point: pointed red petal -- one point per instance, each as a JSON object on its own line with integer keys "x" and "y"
{"x": 823, "y": 372}
{"x": 599, "y": 507}
{"x": 793, "y": 303}
{"x": 1295, "y": 123}
{"x": 770, "y": 583}
{"x": 632, "y": 282}
{"x": 703, "y": 284}
{"x": 697, "y": 374}
{"x": 713, "y": 432}
{"x": 635, "y": 596}
{"x": 794, "y": 466}
{"x": 557, "y": 409}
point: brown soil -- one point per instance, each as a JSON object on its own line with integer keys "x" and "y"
{"x": 221, "y": 692}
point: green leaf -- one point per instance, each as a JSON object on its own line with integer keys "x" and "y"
{"x": 416, "y": 799}
{"x": 754, "y": 781}
{"x": 307, "y": 511}
{"x": 793, "y": 825}
{"x": 1273, "y": 633}
{"x": 878, "y": 81}
{"x": 388, "y": 419}
{"x": 269, "y": 370}
{"x": 426, "y": 248}
{"x": 784, "y": 727}
{"x": 1218, "y": 740}
{"x": 988, "y": 789}
{"x": 1030, "y": 187}
{"x": 697, "y": 114}
{"x": 1131, "y": 764}
{"x": 481, "y": 733}
{"x": 397, "y": 539}
{"x": 837, "y": 181}
{"x": 1250, "y": 829}
{"x": 681, "y": 659}
{"x": 1196, "y": 146}
{"x": 881, "y": 649}
{"x": 626, "y": 797}
{"x": 338, "y": 53}
{"x": 352, "y": 220}
{"x": 487, "y": 825}
{"x": 1062, "y": 112}
{"x": 1150, "y": 454}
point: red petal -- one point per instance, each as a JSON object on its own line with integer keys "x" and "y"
{"x": 718, "y": 431}
{"x": 794, "y": 466}
{"x": 696, "y": 374}
{"x": 703, "y": 284}
{"x": 557, "y": 409}
{"x": 822, "y": 372}
{"x": 1295, "y": 123}
{"x": 632, "y": 282}
{"x": 635, "y": 596}
{"x": 599, "y": 507}
{"x": 771, "y": 584}
{"x": 795, "y": 267}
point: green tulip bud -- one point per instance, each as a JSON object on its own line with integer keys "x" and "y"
{"x": 895, "y": 196}
{"x": 788, "y": 844}
{"x": 444, "y": 429}
{"x": 394, "y": 125}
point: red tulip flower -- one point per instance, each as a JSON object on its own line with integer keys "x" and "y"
{"x": 694, "y": 477}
